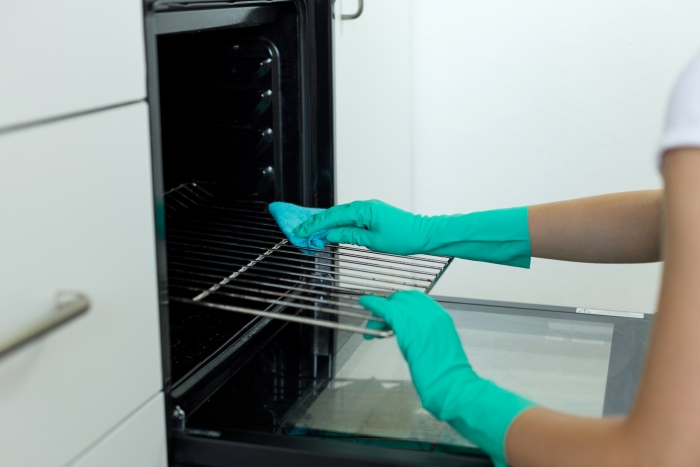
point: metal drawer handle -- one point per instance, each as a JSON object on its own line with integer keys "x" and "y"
{"x": 66, "y": 310}
{"x": 360, "y": 7}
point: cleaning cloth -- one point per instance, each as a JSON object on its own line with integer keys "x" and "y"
{"x": 289, "y": 216}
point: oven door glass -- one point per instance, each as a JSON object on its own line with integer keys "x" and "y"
{"x": 577, "y": 363}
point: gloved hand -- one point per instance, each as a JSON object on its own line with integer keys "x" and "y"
{"x": 445, "y": 381}
{"x": 501, "y": 236}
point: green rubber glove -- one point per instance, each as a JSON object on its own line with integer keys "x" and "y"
{"x": 445, "y": 381}
{"x": 501, "y": 236}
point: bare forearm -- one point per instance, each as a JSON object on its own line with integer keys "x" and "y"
{"x": 663, "y": 424}
{"x": 614, "y": 228}
{"x": 544, "y": 438}
{"x": 666, "y": 415}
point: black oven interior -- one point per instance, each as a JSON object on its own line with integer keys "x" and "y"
{"x": 242, "y": 116}
{"x": 231, "y": 109}
{"x": 232, "y": 124}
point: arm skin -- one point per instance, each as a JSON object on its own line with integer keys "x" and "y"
{"x": 615, "y": 228}
{"x": 663, "y": 427}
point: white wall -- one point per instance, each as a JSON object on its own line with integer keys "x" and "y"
{"x": 530, "y": 101}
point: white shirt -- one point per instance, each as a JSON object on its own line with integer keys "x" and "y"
{"x": 683, "y": 119}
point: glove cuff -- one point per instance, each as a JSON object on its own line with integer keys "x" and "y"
{"x": 500, "y": 236}
{"x": 486, "y": 419}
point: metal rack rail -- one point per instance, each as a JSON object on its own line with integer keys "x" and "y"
{"x": 231, "y": 256}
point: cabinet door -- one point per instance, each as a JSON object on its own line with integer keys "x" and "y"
{"x": 67, "y": 56}
{"x": 76, "y": 214}
{"x": 373, "y": 102}
{"x": 137, "y": 442}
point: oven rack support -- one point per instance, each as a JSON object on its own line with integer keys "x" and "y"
{"x": 231, "y": 256}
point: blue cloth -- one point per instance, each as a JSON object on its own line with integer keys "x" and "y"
{"x": 289, "y": 216}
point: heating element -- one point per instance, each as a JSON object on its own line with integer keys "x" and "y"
{"x": 230, "y": 256}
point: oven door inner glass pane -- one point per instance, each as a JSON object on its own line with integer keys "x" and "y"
{"x": 558, "y": 363}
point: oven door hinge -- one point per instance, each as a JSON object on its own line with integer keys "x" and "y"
{"x": 179, "y": 418}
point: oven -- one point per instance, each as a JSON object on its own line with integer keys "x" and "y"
{"x": 264, "y": 361}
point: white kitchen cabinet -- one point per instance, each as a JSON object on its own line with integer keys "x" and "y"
{"x": 372, "y": 98}
{"x": 76, "y": 214}
{"x": 61, "y": 57}
{"x": 137, "y": 442}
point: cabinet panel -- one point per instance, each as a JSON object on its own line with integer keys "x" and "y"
{"x": 60, "y": 57}
{"x": 137, "y": 442}
{"x": 76, "y": 214}
{"x": 373, "y": 102}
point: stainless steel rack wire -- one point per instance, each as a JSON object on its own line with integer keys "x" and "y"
{"x": 231, "y": 256}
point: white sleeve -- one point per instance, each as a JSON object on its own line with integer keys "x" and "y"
{"x": 683, "y": 119}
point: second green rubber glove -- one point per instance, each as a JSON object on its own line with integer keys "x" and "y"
{"x": 445, "y": 381}
{"x": 500, "y": 236}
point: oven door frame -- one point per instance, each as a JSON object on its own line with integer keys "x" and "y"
{"x": 262, "y": 450}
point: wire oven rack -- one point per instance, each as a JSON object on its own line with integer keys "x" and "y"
{"x": 231, "y": 256}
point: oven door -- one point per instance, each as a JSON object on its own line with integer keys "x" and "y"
{"x": 366, "y": 411}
